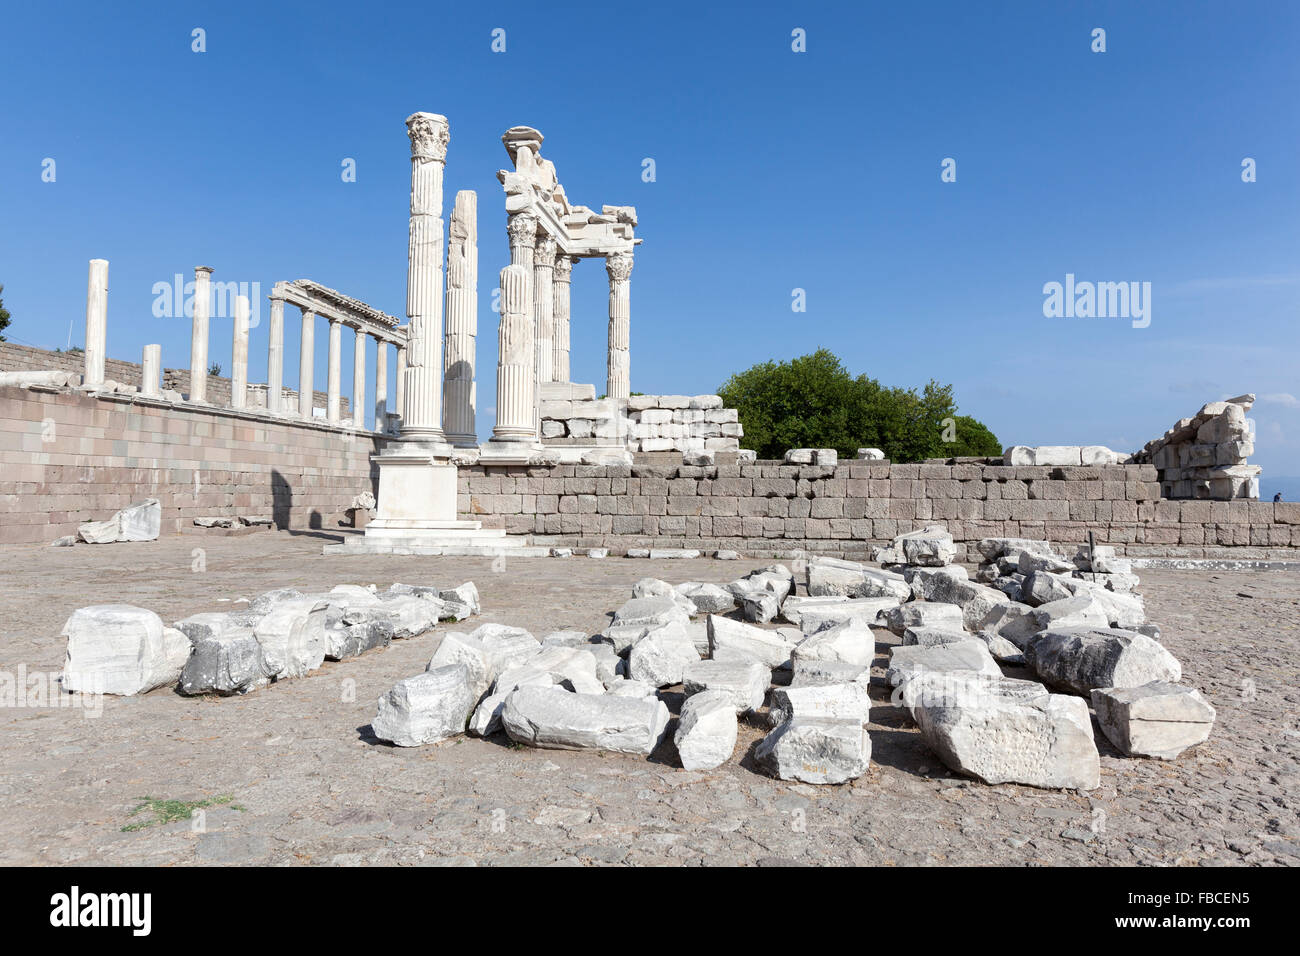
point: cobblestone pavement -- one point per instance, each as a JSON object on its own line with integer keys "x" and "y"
{"x": 305, "y": 783}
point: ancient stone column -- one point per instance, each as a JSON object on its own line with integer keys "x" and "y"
{"x": 334, "y": 371}
{"x": 560, "y": 318}
{"x": 151, "y": 364}
{"x": 359, "y": 380}
{"x": 307, "y": 364}
{"x": 516, "y": 359}
{"x": 619, "y": 267}
{"x": 239, "y": 355}
{"x": 275, "y": 357}
{"x": 422, "y": 398}
{"x": 544, "y": 306}
{"x": 96, "y": 321}
{"x": 462, "y": 322}
{"x": 399, "y": 385}
{"x": 199, "y": 334}
{"x": 381, "y": 385}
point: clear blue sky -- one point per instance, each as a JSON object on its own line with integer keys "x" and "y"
{"x": 776, "y": 170}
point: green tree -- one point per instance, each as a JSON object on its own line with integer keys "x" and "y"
{"x": 814, "y": 402}
{"x": 974, "y": 440}
{"x": 4, "y": 314}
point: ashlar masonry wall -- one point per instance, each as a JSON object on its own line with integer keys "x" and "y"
{"x": 774, "y": 508}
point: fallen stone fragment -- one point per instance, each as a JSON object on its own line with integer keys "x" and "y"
{"x": 807, "y": 673}
{"x": 1005, "y": 731}
{"x": 921, "y": 613}
{"x": 706, "y": 733}
{"x": 707, "y": 598}
{"x": 67, "y": 541}
{"x": 1081, "y": 610}
{"x": 661, "y": 656}
{"x": 426, "y": 708}
{"x": 138, "y": 522}
{"x": 1080, "y": 659}
{"x": 487, "y": 716}
{"x": 550, "y": 717}
{"x": 1003, "y": 650}
{"x": 850, "y": 700}
{"x": 575, "y": 667}
{"x": 931, "y": 546}
{"x": 817, "y": 751}
{"x": 849, "y": 643}
{"x": 652, "y": 587}
{"x": 264, "y": 602}
{"x": 227, "y": 658}
{"x": 744, "y": 682}
{"x": 732, "y": 640}
{"x": 462, "y": 601}
{"x": 412, "y": 615}
{"x": 930, "y": 635}
{"x": 650, "y": 612}
{"x": 566, "y": 638}
{"x": 626, "y": 687}
{"x": 977, "y": 601}
{"x": 292, "y": 635}
{"x": 122, "y": 650}
{"x": 1158, "y": 719}
{"x": 811, "y": 615}
{"x": 973, "y": 656}
{"x": 758, "y": 605}
{"x": 993, "y": 548}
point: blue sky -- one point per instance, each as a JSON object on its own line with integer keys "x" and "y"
{"x": 775, "y": 170}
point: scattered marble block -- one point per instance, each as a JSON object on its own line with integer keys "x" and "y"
{"x": 122, "y": 650}
{"x": 1159, "y": 719}
{"x": 744, "y": 681}
{"x": 292, "y": 635}
{"x": 227, "y": 657}
{"x": 706, "y": 733}
{"x": 970, "y": 656}
{"x": 732, "y": 640}
{"x": 921, "y": 614}
{"x": 661, "y": 657}
{"x": 816, "y": 750}
{"x": 137, "y": 522}
{"x": 426, "y": 708}
{"x": 839, "y": 701}
{"x": 851, "y": 642}
{"x": 707, "y": 598}
{"x": 1080, "y": 659}
{"x": 554, "y": 718}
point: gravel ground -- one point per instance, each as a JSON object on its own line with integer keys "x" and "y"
{"x": 294, "y": 777}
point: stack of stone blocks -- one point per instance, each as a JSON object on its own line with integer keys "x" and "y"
{"x": 1204, "y": 457}
{"x": 572, "y": 415}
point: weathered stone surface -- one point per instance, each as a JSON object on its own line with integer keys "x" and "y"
{"x": 575, "y": 667}
{"x": 729, "y": 640}
{"x": 550, "y": 717}
{"x": 264, "y": 602}
{"x": 1077, "y": 611}
{"x": 652, "y": 587}
{"x": 1080, "y": 659}
{"x": 566, "y": 638}
{"x": 487, "y": 716}
{"x": 848, "y": 700}
{"x": 931, "y": 546}
{"x": 807, "y": 673}
{"x": 461, "y": 602}
{"x": 776, "y": 578}
{"x": 357, "y": 630}
{"x": 1159, "y": 719}
{"x": 625, "y": 687}
{"x": 425, "y": 708}
{"x": 227, "y": 658}
{"x": 977, "y": 601}
{"x": 993, "y": 548}
{"x": 905, "y": 662}
{"x": 758, "y": 605}
{"x": 850, "y": 643}
{"x": 1003, "y": 650}
{"x": 811, "y": 615}
{"x": 744, "y": 681}
{"x": 817, "y": 751}
{"x": 120, "y": 649}
{"x": 706, "y": 733}
{"x": 661, "y": 656}
{"x": 1005, "y": 731}
{"x": 138, "y": 522}
{"x": 412, "y": 615}
{"x": 292, "y": 635}
{"x": 921, "y": 613}
{"x": 650, "y": 612}
{"x": 930, "y": 635}
{"x": 707, "y": 598}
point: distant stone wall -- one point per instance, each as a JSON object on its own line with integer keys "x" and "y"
{"x": 15, "y": 358}
{"x": 67, "y": 457}
{"x": 771, "y": 508}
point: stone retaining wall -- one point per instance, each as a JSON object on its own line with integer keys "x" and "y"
{"x": 67, "y": 457}
{"x": 771, "y": 508}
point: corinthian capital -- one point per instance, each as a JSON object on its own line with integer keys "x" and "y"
{"x": 429, "y": 136}
{"x": 619, "y": 266}
{"x": 564, "y": 268}
{"x": 522, "y": 227}
{"x": 545, "y": 253}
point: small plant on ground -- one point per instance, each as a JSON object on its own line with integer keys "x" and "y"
{"x": 169, "y": 811}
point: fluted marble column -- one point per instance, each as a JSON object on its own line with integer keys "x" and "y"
{"x": 381, "y": 385}
{"x": 619, "y": 267}
{"x": 151, "y": 369}
{"x": 199, "y": 334}
{"x": 544, "y": 306}
{"x": 561, "y": 284}
{"x": 307, "y": 364}
{"x": 399, "y": 383}
{"x": 516, "y": 359}
{"x": 422, "y": 405}
{"x": 359, "y": 379}
{"x": 239, "y": 355}
{"x": 96, "y": 321}
{"x": 275, "y": 357}
{"x": 334, "y": 372}
{"x": 462, "y": 322}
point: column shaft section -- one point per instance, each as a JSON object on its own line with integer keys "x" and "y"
{"x": 399, "y": 386}
{"x": 307, "y": 364}
{"x": 151, "y": 364}
{"x": 359, "y": 380}
{"x": 516, "y": 359}
{"x": 544, "y": 307}
{"x": 560, "y": 318}
{"x": 239, "y": 355}
{"x": 333, "y": 372}
{"x": 462, "y": 322}
{"x": 422, "y": 399}
{"x": 619, "y": 267}
{"x": 202, "y": 309}
{"x": 381, "y": 385}
{"x": 96, "y": 321}
{"x": 275, "y": 358}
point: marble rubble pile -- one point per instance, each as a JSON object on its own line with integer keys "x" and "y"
{"x": 686, "y": 423}
{"x": 125, "y": 650}
{"x": 1205, "y": 456}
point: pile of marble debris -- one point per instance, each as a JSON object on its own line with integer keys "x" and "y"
{"x": 685, "y": 423}
{"x": 800, "y": 665}
{"x": 1205, "y": 456}
{"x": 126, "y": 650}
